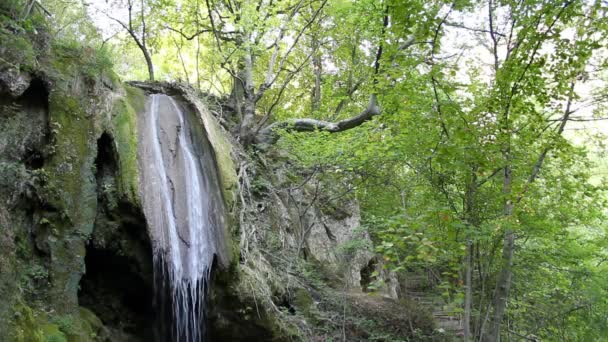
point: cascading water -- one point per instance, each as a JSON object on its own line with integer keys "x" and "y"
{"x": 184, "y": 209}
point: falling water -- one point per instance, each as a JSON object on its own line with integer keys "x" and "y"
{"x": 183, "y": 207}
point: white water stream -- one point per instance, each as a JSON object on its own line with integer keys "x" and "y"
{"x": 184, "y": 210}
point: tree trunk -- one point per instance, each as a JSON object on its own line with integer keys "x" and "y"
{"x": 468, "y": 295}
{"x": 472, "y": 222}
{"x": 149, "y": 64}
{"x": 142, "y": 46}
{"x": 246, "y": 129}
{"x": 317, "y": 70}
{"x": 503, "y": 283}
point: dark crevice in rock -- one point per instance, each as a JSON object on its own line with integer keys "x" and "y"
{"x": 366, "y": 274}
{"x": 35, "y": 96}
{"x": 106, "y": 161}
{"x": 33, "y": 159}
{"x": 286, "y": 304}
{"x": 329, "y": 233}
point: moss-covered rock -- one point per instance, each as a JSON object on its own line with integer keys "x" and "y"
{"x": 30, "y": 325}
{"x": 56, "y": 99}
{"x": 71, "y": 177}
{"x": 124, "y": 129}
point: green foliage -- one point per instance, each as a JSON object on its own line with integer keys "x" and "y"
{"x": 11, "y": 8}
{"x": 429, "y": 175}
{"x": 13, "y": 14}
{"x": 354, "y": 245}
{"x": 55, "y": 338}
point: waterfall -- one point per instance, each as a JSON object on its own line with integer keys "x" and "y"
{"x": 184, "y": 209}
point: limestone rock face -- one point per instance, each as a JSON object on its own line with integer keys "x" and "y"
{"x": 335, "y": 239}
{"x": 211, "y": 150}
{"x": 325, "y": 231}
{"x": 14, "y": 82}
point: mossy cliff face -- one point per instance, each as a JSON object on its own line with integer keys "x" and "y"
{"x": 56, "y": 102}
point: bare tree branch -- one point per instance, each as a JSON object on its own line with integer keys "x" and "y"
{"x": 541, "y": 158}
{"x": 269, "y": 135}
{"x": 264, "y": 86}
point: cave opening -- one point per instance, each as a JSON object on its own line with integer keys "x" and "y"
{"x": 366, "y": 275}
{"x": 118, "y": 285}
{"x": 35, "y": 96}
{"x": 116, "y": 291}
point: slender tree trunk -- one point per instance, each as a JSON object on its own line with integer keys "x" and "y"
{"x": 468, "y": 295}
{"x": 503, "y": 284}
{"x": 472, "y": 222}
{"x": 248, "y": 120}
{"x": 144, "y": 50}
{"x": 482, "y": 290}
{"x": 317, "y": 69}
{"x": 149, "y": 64}
{"x": 144, "y": 46}
{"x": 181, "y": 59}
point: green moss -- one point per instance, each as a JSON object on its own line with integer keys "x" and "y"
{"x": 90, "y": 319}
{"x": 71, "y": 191}
{"x": 222, "y": 148}
{"x": 136, "y": 97}
{"x": 65, "y": 324}
{"x": 303, "y": 301}
{"x": 71, "y": 168}
{"x": 225, "y": 165}
{"x": 25, "y": 327}
{"x": 32, "y": 326}
{"x": 82, "y": 326}
{"x": 124, "y": 122}
{"x": 52, "y": 333}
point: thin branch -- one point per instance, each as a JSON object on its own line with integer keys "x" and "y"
{"x": 473, "y": 29}
{"x": 494, "y": 173}
{"x": 541, "y": 158}
{"x": 267, "y": 85}
{"x": 189, "y": 37}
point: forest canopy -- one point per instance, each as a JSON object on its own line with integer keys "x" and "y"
{"x": 472, "y": 133}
